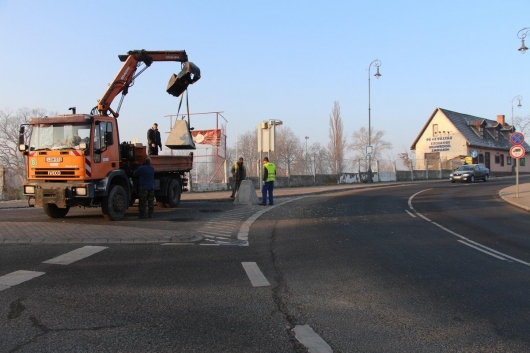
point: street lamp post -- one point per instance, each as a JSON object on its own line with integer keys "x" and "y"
{"x": 519, "y": 98}
{"x": 306, "y": 138}
{"x": 522, "y": 35}
{"x": 376, "y": 63}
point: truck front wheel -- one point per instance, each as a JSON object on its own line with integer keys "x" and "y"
{"x": 114, "y": 206}
{"x": 53, "y": 211}
{"x": 173, "y": 194}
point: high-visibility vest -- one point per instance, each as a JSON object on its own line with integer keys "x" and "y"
{"x": 271, "y": 171}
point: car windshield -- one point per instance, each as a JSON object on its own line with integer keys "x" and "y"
{"x": 465, "y": 167}
{"x": 58, "y": 136}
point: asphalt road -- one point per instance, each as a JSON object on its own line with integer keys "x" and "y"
{"x": 427, "y": 267}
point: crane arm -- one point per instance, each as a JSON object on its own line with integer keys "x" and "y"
{"x": 131, "y": 61}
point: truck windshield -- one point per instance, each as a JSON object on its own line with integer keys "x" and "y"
{"x": 59, "y": 136}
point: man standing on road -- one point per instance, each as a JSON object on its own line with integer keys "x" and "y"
{"x": 146, "y": 174}
{"x": 153, "y": 140}
{"x": 239, "y": 172}
{"x": 269, "y": 176}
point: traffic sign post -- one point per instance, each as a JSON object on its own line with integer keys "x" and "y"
{"x": 517, "y": 152}
{"x": 517, "y": 138}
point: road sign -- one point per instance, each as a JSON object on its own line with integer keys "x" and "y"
{"x": 369, "y": 151}
{"x": 517, "y": 138}
{"x": 517, "y": 152}
{"x": 474, "y": 154}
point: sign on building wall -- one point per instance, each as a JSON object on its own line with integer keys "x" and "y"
{"x": 439, "y": 144}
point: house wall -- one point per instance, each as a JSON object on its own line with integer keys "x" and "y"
{"x": 448, "y": 141}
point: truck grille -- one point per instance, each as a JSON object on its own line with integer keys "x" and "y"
{"x": 56, "y": 173}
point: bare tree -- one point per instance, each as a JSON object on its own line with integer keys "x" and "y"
{"x": 522, "y": 124}
{"x": 337, "y": 140}
{"x": 247, "y": 147}
{"x": 10, "y": 157}
{"x": 288, "y": 152}
{"x": 406, "y": 157}
{"x": 321, "y": 158}
{"x": 360, "y": 141}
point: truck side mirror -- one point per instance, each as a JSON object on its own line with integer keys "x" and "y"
{"x": 21, "y": 143}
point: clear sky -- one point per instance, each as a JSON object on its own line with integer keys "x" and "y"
{"x": 272, "y": 60}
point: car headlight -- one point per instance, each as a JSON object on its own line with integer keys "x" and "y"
{"x": 466, "y": 174}
{"x": 29, "y": 189}
{"x": 451, "y": 174}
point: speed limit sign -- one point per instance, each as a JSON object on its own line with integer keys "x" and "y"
{"x": 517, "y": 151}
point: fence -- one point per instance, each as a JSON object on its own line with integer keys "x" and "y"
{"x": 301, "y": 172}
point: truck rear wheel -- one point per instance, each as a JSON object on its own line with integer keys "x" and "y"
{"x": 173, "y": 194}
{"x": 53, "y": 211}
{"x": 114, "y": 206}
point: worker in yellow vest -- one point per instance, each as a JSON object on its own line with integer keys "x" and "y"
{"x": 269, "y": 176}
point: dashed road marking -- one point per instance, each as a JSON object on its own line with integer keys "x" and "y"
{"x": 75, "y": 255}
{"x": 255, "y": 275}
{"x": 309, "y": 338}
{"x": 17, "y": 277}
{"x": 410, "y": 213}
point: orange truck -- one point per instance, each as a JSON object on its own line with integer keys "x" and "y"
{"x": 77, "y": 160}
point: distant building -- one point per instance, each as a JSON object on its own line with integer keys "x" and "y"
{"x": 449, "y": 137}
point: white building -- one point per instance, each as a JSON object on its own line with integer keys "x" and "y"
{"x": 449, "y": 137}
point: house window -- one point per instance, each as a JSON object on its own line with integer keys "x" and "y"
{"x": 497, "y": 160}
{"x": 496, "y": 134}
{"x": 521, "y": 162}
{"x": 509, "y": 160}
{"x": 481, "y": 158}
{"x": 502, "y": 160}
{"x": 434, "y": 129}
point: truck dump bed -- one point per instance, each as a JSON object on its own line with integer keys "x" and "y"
{"x": 172, "y": 163}
{"x": 165, "y": 163}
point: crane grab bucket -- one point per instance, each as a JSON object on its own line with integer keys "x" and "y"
{"x": 179, "y": 83}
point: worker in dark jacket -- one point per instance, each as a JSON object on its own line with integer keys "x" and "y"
{"x": 239, "y": 173}
{"x": 146, "y": 176}
{"x": 153, "y": 140}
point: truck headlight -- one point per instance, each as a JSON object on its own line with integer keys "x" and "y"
{"x": 29, "y": 189}
{"x": 79, "y": 191}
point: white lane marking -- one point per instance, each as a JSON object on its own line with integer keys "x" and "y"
{"x": 422, "y": 216}
{"x": 242, "y": 235}
{"x": 504, "y": 256}
{"x": 314, "y": 343}
{"x": 17, "y": 277}
{"x": 500, "y": 253}
{"x": 75, "y": 255}
{"x": 410, "y": 213}
{"x": 482, "y": 246}
{"x": 255, "y": 275}
{"x": 484, "y": 251}
{"x": 410, "y": 198}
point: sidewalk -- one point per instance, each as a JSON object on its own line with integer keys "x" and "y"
{"x": 519, "y": 199}
{"x": 508, "y": 194}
